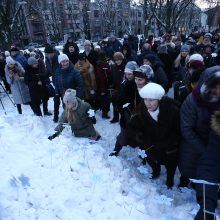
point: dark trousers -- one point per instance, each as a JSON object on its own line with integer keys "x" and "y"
{"x": 56, "y": 100}
{"x": 103, "y": 103}
{"x": 20, "y": 109}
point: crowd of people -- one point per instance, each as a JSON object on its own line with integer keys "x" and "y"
{"x": 135, "y": 77}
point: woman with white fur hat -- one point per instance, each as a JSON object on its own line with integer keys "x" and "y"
{"x": 79, "y": 115}
{"x": 154, "y": 127}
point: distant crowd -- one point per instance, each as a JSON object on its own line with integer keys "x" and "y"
{"x": 134, "y": 77}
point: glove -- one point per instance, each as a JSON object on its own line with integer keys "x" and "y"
{"x": 53, "y": 136}
{"x": 93, "y": 120}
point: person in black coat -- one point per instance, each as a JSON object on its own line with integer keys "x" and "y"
{"x": 195, "y": 114}
{"x": 209, "y": 170}
{"x": 155, "y": 127}
{"x": 72, "y": 51}
{"x": 160, "y": 76}
{"x": 37, "y": 79}
{"x": 90, "y": 54}
{"x": 129, "y": 99}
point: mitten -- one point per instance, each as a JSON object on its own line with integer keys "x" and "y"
{"x": 53, "y": 136}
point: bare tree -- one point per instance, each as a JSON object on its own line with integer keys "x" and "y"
{"x": 8, "y": 14}
{"x": 168, "y": 12}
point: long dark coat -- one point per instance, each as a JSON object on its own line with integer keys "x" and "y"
{"x": 159, "y": 138}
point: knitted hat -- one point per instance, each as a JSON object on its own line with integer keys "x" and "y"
{"x": 185, "y": 48}
{"x": 162, "y": 49}
{"x": 62, "y": 57}
{"x": 118, "y": 56}
{"x": 130, "y": 67}
{"x": 10, "y": 60}
{"x": 70, "y": 97}
{"x": 7, "y": 53}
{"x": 152, "y": 91}
{"x": 48, "y": 49}
{"x": 97, "y": 47}
{"x": 32, "y": 60}
{"x": 196, "y": 64}
{"x": 196, "y": 56}
{"x": 144, "y": 71}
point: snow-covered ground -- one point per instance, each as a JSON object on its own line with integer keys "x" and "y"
{"x": 74, "y": 179}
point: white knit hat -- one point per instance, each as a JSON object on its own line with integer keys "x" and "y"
{"x": 152, "y": 91}
{"x": 70, "y": 96}
{"x": 62, "y": 57}
{"x": 10, "y": 61}
{"x": 197, "y": 57}
{"x": 7, "y": 53}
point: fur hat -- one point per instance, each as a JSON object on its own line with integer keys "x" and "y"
{"x": 215, "y": 122}
{"x": 144, "y": 71}
{"x": 70, "y": 97}
{"x": 130, "y": 67}
{"x": 185, "y": 48}
{"x": 118, "y": 56}
{"x": 196, "y": 56}
{"x": 32, "y": 60}
{"x": 62, "y": 57}
{"x": 162, "y": 49}
{"x": 152, "y": 91}
{"x": 10, "y": 60}
{"x": 48, "y": 49}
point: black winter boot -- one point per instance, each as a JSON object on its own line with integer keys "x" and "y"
{"x": 155, "y": 167}
{"x": 116, "y": 150}
{"x": 200, "y": 215}
{"x": 115, "y": 117}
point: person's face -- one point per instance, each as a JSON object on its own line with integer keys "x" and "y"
{"x": 64, "y": 64}
{"x": 13, "y": 53}
{"x": 35, "y": 65}
{"x": 147, "y": 62}
{"x": 87, "y": 47}
{"x": 215, "y": 91}
{"x": 118, "y": 62}
{"x": 208, "y": 50}
{"x": 69, "y": 105}
{"x": 50, "y": 55}
{"x": 71, "y": 49}
{"x": 140, "y": 82}
{"x": 151, "y": 104}
{"x": 129, "y": 76}
{"x": 184, "y": 53}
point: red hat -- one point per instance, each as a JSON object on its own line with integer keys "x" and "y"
{"x": 196, "y": 64}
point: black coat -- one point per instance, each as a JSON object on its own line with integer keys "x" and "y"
{"x": 159, "y": 138}
{"x": 32, "y": 77}
{"x": 128, "y": 94}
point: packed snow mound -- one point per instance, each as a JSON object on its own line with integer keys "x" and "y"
{"x": 74, "y": 178}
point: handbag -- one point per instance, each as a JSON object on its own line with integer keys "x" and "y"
{"x": 50, "y": 90}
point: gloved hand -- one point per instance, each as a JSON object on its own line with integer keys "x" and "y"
{"x": 51, "y": 137}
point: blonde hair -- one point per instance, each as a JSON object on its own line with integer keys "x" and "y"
{"x": 70, "y": 116}
{"x": 177, "y": 60}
